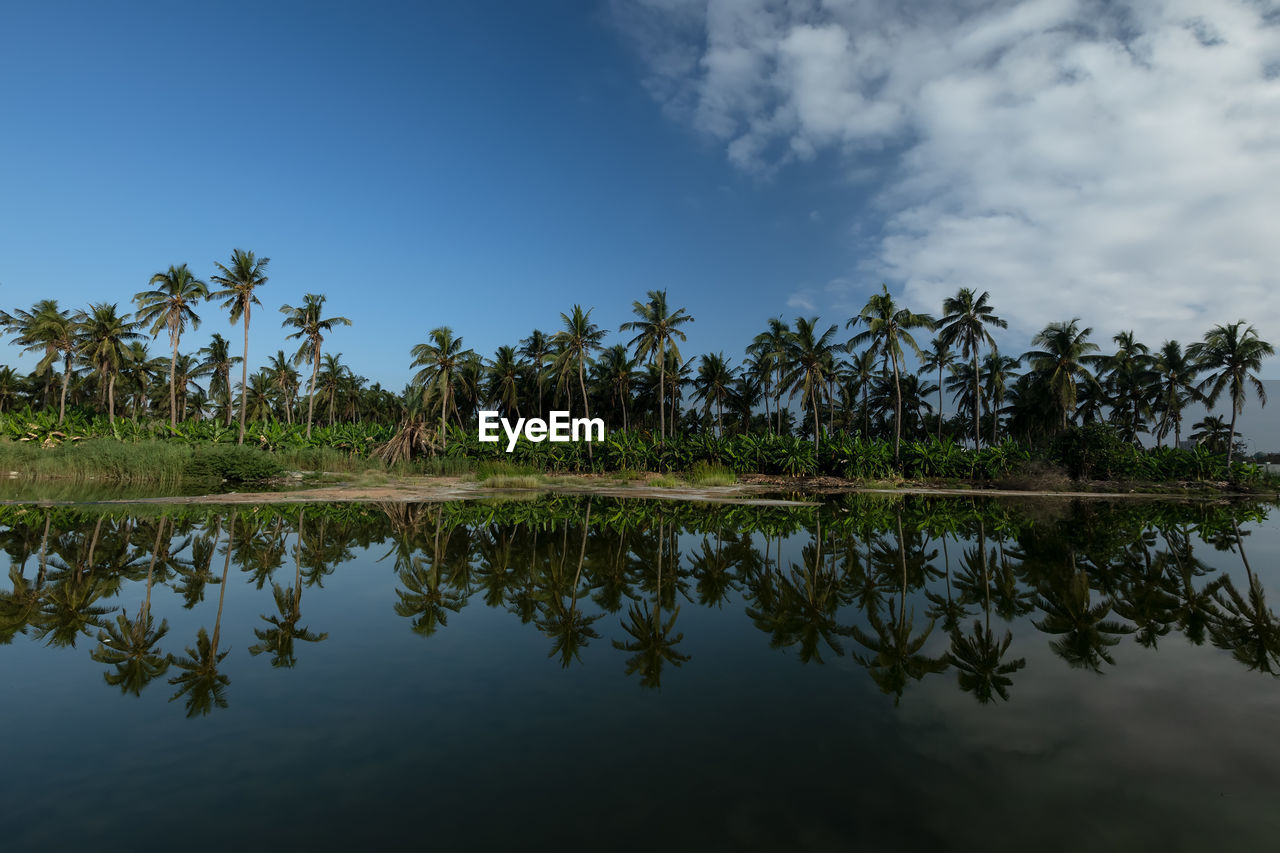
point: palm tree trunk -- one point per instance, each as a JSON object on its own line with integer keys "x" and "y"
{"x": 311, "y": 391}
{"x": 222, "y": 592}
{"x": 66, "y": 379}
{"x": 586, "y": 407}
{"x": 244, "y": 377}
{"x": 939, "y": 402}
{"x": 768, "y": 416}
{"x": 777, "y": 400}
{"x": 977, "y": 403}
{"x": 817, "y": 424}
{"x": 1231, "y": 436}
{"x": 111, "y": 400}
{"x": 173, "y": 392}
{"x": 662, "y": 392}
{"x": 897, "y": 410}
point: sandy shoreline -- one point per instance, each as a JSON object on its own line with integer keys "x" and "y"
{"x": 757, "y": 491}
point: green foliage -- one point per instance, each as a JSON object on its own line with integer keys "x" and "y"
{"x": 101, "y": 459}
{"x": 233, "y": 463}
{"x": 711, "y": 474}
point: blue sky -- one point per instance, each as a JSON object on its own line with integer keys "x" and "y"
{"x": 485, "y": 165}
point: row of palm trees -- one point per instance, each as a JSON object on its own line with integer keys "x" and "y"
{"x": 108, "y": 342}
{"x": 865, "y": 383}
{"x": 1067, "y": 378}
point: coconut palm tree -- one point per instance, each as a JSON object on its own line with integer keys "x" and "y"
{"x": 861, "y": 374}
{"x": 284, "y": 378}
{"x": 888, "y": 326}
{"x": 104, "y": 337}
{"x": 659, "y": 329}
{"x": 311, "y": 329}
{"x": 1214, "y": 433}
{"x": 810, "y": 359}
{"x": 1231, "y": 355}
{"x": 997, "y": 374}
{"x": 535, "y": 350}
{"x": 22, "y": 324}
{"x": 57, "y": 334}
{"x": 171, "y": 306}
{"x": 1175, "y": 381}
{"x": 1129, "y": 377}
{"x": 239, "y": 281}
{"x": 964, "y": 323}
{"x": 575, "y": 342}
{"x": 1060, "y": 363}
{"x": 712, "y": 385}
{"x": 615, "y": 369}
{"x": 331, "y": 380}
{"x": 440, "y": 359}
{"x": 218, "y": 359}
{"x": 770, "y": 351}
{"x": 504, "y": 380}
{"x": 937, "y": 357}
{"x": 137, "y": 371}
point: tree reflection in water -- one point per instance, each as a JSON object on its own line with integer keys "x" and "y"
{"x": 841, "y": 579}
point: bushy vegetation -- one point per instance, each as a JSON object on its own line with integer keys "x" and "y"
{"x": 148, "y": 451}
{"x": 233, "y": 464}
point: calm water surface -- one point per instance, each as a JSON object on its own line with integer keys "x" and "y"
{"x": 563, "y": 673}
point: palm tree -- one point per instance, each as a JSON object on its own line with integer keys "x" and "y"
{"x": 937, "y": 357}
{"x": 103, "y": 343}
{"x": 284, "y": 378}
{"x": 136, "y": 370}
{"x": 535, "y": 349}
{"x": 56, "y": 334}
{"x": 770, "y": 350}
{"x": 218, "y": 358}
{"x": 810, "y": 363}
{"x": 576, "y": 341}
{"x": 200, "y": 681}
{"x": 311, "y": 329}
{"x": 1060, "y": 362}
{"x": 22, "y": 324}
{"x": 440, "y": 358}
{"x": 171, "y": 306}
{"x": 1232, "y": 355}
{"x": 1213, "y": 433}
{"x": 964, "y": 323}
{"x": 659, "y": 329}
{"x": 331, "y": 379}
{"x": 887, "y": 327}
{"x": 714, "y": 380}
{"x": 1128, "y": 380}
{"x": 616, "y": 370}
{"x": 996, "y": 373}
{"x": 861, "y": 373}
{"x": 1175, "y": 387}
{"x": 504, "y": 380}
{"x": 239, "y": 281}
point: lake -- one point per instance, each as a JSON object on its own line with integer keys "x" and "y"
{"x": 582, "y": 673}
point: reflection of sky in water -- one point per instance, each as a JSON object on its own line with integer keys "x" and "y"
{"x": 475, "y": 737}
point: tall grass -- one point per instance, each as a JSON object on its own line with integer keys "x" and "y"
{"x": 96, "y": 459}
{"x": 711, "y": 474}
{"x": 323, "y": 459}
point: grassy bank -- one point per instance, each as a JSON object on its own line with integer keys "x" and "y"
{"x": 1077, "y": 457}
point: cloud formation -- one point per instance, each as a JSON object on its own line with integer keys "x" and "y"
{"x": 1117, "y": 161}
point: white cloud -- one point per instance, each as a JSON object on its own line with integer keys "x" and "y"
{"x": 1117, "y": 162}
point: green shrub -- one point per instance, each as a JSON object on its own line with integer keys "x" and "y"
{"x": 711, "y": 474}
{"x": 233, "y": 463}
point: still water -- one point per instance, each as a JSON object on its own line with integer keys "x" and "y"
{"x": 568, "y": 673}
